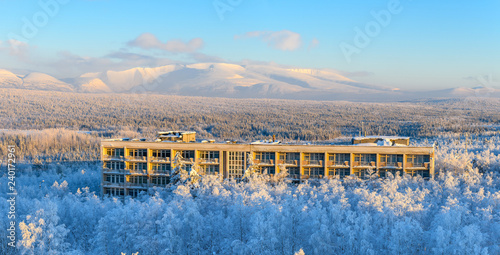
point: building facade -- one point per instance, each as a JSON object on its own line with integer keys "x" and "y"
{"x": 132, "y": 166}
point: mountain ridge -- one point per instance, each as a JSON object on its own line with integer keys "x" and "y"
{"x": 230, "y": 80}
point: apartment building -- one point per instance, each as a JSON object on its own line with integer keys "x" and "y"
{"x": 132, "y": 166}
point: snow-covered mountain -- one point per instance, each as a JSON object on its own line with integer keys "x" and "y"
{"x": 40, "y": 81}
{"x": 91, "y": 85}
{"x": 9, "y": 80}
{"x": 230, "y": 80}
{"x": 34, "y": 81}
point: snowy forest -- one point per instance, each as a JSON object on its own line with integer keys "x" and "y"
{"x": 60, "y": 210}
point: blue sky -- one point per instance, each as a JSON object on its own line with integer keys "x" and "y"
{"x": 425, "y": 44}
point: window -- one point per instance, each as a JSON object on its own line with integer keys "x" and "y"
{"x": 135, "y": 192}
{"x": 341, "y": 172}
{"x": 210, "y": 169}
{"x": 423, "y": 173}
{"x": 339, "y": 159}
{"x": 138, "y": 153}
{"x": 209, "y": 154}
{"x": 114, "y": 191}
{"x": 293, "y": 172}
{"x": 137, "y": 166}
{"x": 236, "y": 164}
{"x": 361, "y": 173}
{"x": 289, "y": 158}
{"x": 365, "y": 159}
{"x": 314, "y": 159}
{"x": 266, "y": 170}
{"x": 114, "y": 152}
{"x": 160, "y": 168}
{"x": 160, "y": 153}
{"x": 137, "y": 179}
{"x": 115, "y": 178}
{"x": 383, "y": 173}
{"x": 314, "y": 172}
{"x": 417, "y": 160}
{"x": 314, "y": 156}
{"x": 391, "y": 160}
{"x": 114, "y": 165}
{"x": 264, "y": 156}
{"x": 160, "y": 180}
{"x": 187, "y": 154}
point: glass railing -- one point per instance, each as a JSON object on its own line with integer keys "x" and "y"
{"x": 141, "y": 158}
{"x": 420, "y": 165}
{"x": 312, "y": 162}
{"x": 391, "y": 164}
{"x": 288, "y": 162}
{"x": 338, "y": 163}
{"x": 113, "y": 157}
{"x": 209, "y": 161}
{"x": 364, "y": 163}
{"x": 160, "y": 159}
{"x": 264, "y": 161}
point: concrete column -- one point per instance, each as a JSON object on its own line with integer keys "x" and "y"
{"x": 276, "y": 158}
{"x": 404, "y": 163}
{"x": 148, "y": 166}
{"x": 431, "y": 163}
{"x": 377, "y": 163}
{"x": 301, "y": 168}
{"x": 325, "y": 165}
{"x": 225, "y": 170}
{"x": 351, "y": 170}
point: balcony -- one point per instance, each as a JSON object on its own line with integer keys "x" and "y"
{"x": 113, "y": 184}
{"x": 160, "y": 159}
{"x": 109, "y": 170}
{"x": 288, "y": 162}
{"x": 135, "y": 185}
{"x": 264, "y": 162}
{"x": 364, "y": 164}
{"x": 424, "y": 165}
{"x": 112, "y": 157}
{"x": 209, "y": 161}
{"x": 188, "y": 160}
{"x": 294, "y": 176}
{"x": 159, "y": 172}
{"x": 397, "y": 165}
{"x": 332, "y": 163}
{"x": 137, "y": 158}
{"x": 313, "y": 163}
{"x": 136, "y": 171}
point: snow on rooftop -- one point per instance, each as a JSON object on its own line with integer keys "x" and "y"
{"x": 380, "y": 137}
{"x": 265, "y": 142}
{"x": 380, "y": 142}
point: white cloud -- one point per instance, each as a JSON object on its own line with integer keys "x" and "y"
{"x": 15, "y": 48}
{"x": 314, "y": 43}
{"x": 149, "y": 41}
{"x": 281, "y": 40}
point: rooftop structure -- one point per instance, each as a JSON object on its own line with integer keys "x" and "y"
{"x": 382, "y": 140}
{"x": 177, "y": 136}
{"x": 130, "y": 167}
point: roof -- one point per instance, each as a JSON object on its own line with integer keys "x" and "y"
{"x": 178, "y": 132}
{"x": 380, "y": 137}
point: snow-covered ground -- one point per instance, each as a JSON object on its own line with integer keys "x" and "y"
{"x": 60, "y": 211}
